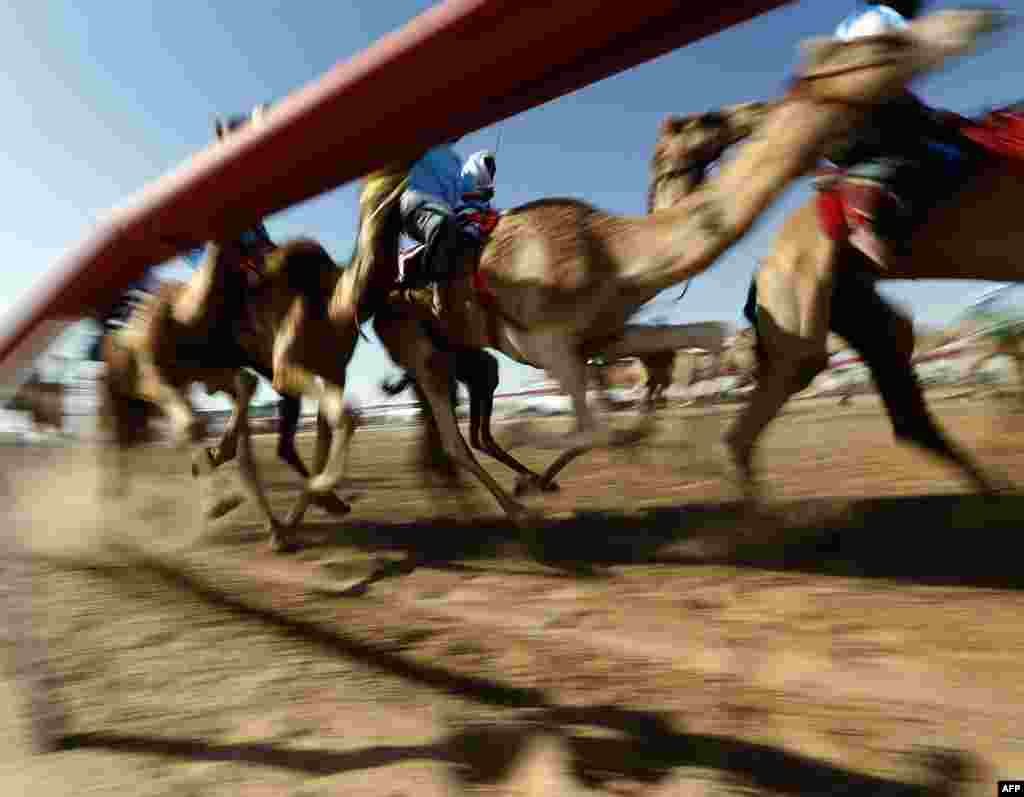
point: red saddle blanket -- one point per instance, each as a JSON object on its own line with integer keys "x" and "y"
{"x": 842, "y": 199}
{"x": 482, "y": 224}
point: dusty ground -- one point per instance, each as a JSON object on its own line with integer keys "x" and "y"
{"x": 864, "y": 642}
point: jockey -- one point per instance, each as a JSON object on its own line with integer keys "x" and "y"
{"x": 253, "y": 244}
{"x": 443, "y": 206}
{"x": 428, "y": 206}
{"x": 899, "y": 150}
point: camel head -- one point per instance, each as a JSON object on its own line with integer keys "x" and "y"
{"x": 873, "y": 69}
{"x": 687, "y": 145}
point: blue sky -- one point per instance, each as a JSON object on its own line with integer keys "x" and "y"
{"x": 98, "y": 102}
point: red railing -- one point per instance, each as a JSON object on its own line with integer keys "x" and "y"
{"x": 406, "y": 92}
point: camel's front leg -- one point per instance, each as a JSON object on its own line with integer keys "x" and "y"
{"x": 288, "y": 409}
{"x": 561, "y": 358}
{"x": 279, "y": 539}
{"x": 332, "y": 408}
{"x": 227, "y": 448}
{"x": 433, "y": 373}
{"x": 327, "y": 436}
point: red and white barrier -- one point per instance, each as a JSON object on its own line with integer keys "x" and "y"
{"x": 402, "y": 94}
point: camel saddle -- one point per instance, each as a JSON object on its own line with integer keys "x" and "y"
{"x": 474, "y": 224}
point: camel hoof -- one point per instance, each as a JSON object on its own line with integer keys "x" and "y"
{"x": 219, "y": 507}
{"x": 331, "y": 504}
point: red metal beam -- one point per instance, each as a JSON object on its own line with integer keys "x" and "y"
{"x": 402, "y": 94}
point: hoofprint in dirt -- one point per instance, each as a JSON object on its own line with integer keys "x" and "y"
{"x": 738, "y": 658}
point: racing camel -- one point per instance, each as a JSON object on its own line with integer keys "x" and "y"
{"x": 560, "y": 278}
{"x": 147, "y": 373}
{"x": 798, "y": 295}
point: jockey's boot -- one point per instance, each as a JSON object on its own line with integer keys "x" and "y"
{"x": 453, "y": 288}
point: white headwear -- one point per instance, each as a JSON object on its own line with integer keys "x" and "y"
{"x": 478, "y": 171}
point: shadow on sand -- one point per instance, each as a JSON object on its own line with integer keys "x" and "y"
{"x": 642, "y": 746}
{"x": 949, "y": 540}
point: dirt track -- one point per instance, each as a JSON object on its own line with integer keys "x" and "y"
{"x": 868, "y": 645}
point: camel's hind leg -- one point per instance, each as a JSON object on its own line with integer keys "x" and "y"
{"x": 227, "y": 448}
{"x": 793, "y": 307}
{"x": 434, "y": 371}
{"x": 478, "y": 370}
{"x": 433, "y": 374}
{"x": 325, "y": 436}
{"x": 239, "y": 385}
{"x": 279, "y": 539}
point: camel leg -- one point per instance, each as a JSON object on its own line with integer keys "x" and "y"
{"x": 288, "y": 409}
{"x": 482, "y": 380}
{"x": 560, "y": 359}
{"x": 325, "y": 437}
{"x": 778, "y": 383}
{"x": 332, "y": 406}
{"x": 885, "y": 339}
{"x": 793, "y": 315}
{"x": 432, "y": 455}
{"x": 227, "y": 448}
{"x": 201, "y": 303}
{"x": 433, "y": 372}
{"x": 563, "y": 361}
{"x": 292, "y": 349}
{"x": 279, "y": 539}
{"x": 203, "y": 461}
